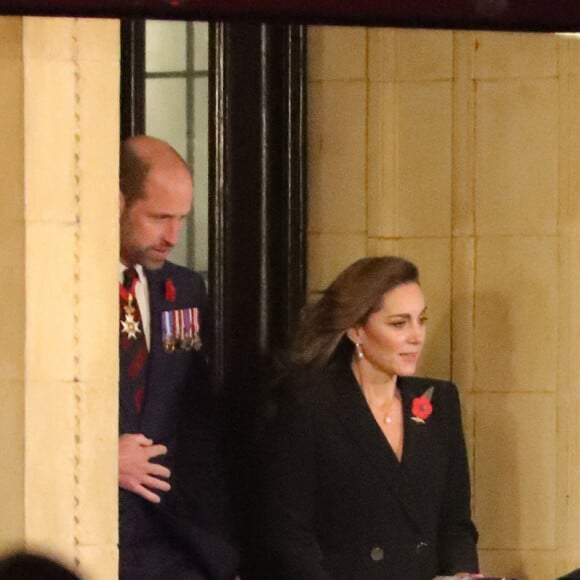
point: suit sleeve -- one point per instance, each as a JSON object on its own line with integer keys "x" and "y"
{"x": 457, "y": 535}
{"x": 292, "y": 549}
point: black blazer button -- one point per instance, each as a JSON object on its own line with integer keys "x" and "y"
{"x": 377, "y": 554}
{"x": 421, "y": 547}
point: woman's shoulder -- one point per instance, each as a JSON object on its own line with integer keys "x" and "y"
{"x": 306, "y": 385}
{"x": 296, "y": 398}
{"x": 439, "y": 388}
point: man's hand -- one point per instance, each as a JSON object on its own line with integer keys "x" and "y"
{"x": 136, "y": 472}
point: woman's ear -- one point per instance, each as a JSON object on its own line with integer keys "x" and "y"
{"x": 353, "y": 335}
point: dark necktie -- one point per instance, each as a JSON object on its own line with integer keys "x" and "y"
{"x": 133, "y": 352}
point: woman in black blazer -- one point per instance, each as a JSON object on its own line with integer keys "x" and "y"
{"x": 367, "y": 475}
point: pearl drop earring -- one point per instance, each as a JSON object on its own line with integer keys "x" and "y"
{"x": 359, "y": 352}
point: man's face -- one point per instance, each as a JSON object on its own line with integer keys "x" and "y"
{"x": 150, "y": 227}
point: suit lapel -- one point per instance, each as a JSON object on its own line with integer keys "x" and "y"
{"x": 357, "y": 419}
{"x": 152, "y": 418}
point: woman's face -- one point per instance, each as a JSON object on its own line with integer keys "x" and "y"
{"x": 393, "y": 337}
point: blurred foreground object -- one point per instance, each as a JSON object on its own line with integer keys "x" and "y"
{"x": 22, "y": 566}
{"x": 574, "y": 575}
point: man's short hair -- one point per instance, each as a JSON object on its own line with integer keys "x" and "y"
{"x": 133, "y": 170}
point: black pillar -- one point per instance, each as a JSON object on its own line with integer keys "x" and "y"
{"x": 258, "y": 223}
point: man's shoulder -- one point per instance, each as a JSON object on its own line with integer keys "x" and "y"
{"x": 179, "y": 273}
{"x": 177, "y": 285}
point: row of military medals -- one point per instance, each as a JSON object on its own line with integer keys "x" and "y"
{"x": 180, "y": 329}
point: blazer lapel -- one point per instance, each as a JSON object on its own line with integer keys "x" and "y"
{"x": 357, "y": 419}
{"x": 414, "y": 446}
{"x": 413, "y": 430}
{"x": 152, "y": 421}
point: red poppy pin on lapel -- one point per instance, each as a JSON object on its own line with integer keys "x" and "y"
{"x": 169, "y": 290}
{"x": 422, "y": 408}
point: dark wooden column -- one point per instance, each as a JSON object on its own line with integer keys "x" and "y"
{"x": 132, "y": 77}
{"x": 258, "y": 221}
{"x": 257, "y": 198}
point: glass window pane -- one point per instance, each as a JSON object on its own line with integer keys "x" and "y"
{"x": 200, "y": 46}
{"x": 165, "y": 46}
{"x": 165, "y": 111}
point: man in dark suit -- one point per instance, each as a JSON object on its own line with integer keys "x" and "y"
{"x": 174, "y": 518}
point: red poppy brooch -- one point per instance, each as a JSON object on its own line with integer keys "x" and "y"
{"x": 169, "y": 290}
{"x": 422, "y": 408}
